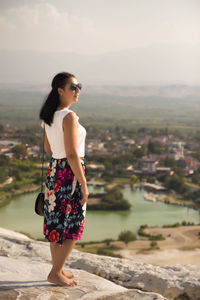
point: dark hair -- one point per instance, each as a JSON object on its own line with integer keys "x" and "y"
{"x": 52, "y": 101}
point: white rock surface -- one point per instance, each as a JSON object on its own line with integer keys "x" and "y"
{"x": 25, "y": 264}
{"x": 28, "y": 278}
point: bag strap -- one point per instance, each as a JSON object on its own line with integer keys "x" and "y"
{"x": 42, "y": 160}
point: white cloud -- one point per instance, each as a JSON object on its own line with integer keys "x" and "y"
{"x": 43, "y": 27}
{"x": 91, "y": 27}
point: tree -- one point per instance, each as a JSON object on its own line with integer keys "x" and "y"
{"x": 170, "y": 162}
{"x": 139, "y": 152}
{"x": 196, "y": 177}
{"x": 175, "y": 183}
{"x": 127, "y": 236}
{"x": 133, "y": 179}
{"x": 154, "y": 245}
{"x": 17, "y": 174}
{"x": 19, "y": 149}
{"x": 114, "y": 198}
{"x": 155, "y": 147}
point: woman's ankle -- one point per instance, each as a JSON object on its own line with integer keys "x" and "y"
{"x": 55, "y": 271}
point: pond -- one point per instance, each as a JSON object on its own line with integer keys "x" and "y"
{"x": 19, "y": 215}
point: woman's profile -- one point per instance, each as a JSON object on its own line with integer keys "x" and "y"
{"x": 66, "y": 191}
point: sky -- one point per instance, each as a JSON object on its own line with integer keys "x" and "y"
{"x": 91, "y": 27}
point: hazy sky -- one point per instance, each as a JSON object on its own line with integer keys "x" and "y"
{"x": 94, "y": 27}
{"x": 117, "y": 42}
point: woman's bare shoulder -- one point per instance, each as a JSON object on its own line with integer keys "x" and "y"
{"x": 70, "y": 117}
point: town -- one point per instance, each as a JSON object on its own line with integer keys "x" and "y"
{"x": 167, "y": 162}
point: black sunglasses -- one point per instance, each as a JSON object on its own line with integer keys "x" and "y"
{"x": 74, "y": 86}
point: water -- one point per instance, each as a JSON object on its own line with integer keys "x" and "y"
{"x": 19, "y": 215}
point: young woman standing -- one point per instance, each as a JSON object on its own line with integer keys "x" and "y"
{"x": 66, "y": 191}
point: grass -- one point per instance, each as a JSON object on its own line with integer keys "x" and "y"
{"x": 188, "y": 248}
{"x": 121, "y": 180}
{"x": 100, "y": 249}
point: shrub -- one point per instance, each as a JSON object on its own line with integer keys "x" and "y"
{"x": 154, "y": 245}
{"x": 127, "y": 236}
{"x": 102, "y": 251}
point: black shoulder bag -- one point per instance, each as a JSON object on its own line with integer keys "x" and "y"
{"x": 39, "y": 203}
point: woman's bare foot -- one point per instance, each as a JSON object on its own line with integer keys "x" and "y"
{"x": 68, "y": 274}
{"x": 60, "y": 279}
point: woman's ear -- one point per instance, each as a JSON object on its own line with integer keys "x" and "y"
{"x": 60, "y": 91}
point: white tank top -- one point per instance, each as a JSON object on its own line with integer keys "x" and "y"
{"x": 55, "y": 134}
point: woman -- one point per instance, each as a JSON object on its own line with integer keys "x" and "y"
{"x": 66, "y": 191}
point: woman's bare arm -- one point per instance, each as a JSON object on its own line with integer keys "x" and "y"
{"x": 47, "y": 147}
{"x": 71, "y": 146}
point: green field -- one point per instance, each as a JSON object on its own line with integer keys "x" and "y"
{"x": 21, "y": 109}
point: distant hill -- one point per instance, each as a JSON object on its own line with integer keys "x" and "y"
{"x": 155, "y": 64}
{"x": 111, "y": 105}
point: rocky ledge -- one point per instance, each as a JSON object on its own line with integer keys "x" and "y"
{"x": 25, "y": 264}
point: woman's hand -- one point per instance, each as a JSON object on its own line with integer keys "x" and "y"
{"x": 84, "y": 193}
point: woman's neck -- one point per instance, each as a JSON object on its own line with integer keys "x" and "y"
{"x": 62, "y": 107}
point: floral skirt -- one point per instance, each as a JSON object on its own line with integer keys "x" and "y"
{"x": 64, "y": 216}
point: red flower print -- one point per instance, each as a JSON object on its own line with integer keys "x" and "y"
{"x": 82, "y": 225}
{"x": 63, "y": 205}
{"x": 56, "y": 186}
{"x": 49, "y": 193}
{"x": 74, "y": 236}
{"x": 62, "y": 174}
{"x": 74, "y": 208}
{"x": 81, "y": 228}
{"x": 54, "y": 236}
{"x": 68, "y": 208}
{"x": 67, "y": 234}
{"x": 69, "y": 174}
{"x": 74, "y": 211}
{"x": 48, "y": 171}
{"x": 77, "y": 236}
{"x": 59, "y": 182}
{"x": 63, "y": 208}
{"x": 75, "y": 205}
{"x": 63, "y": 202}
